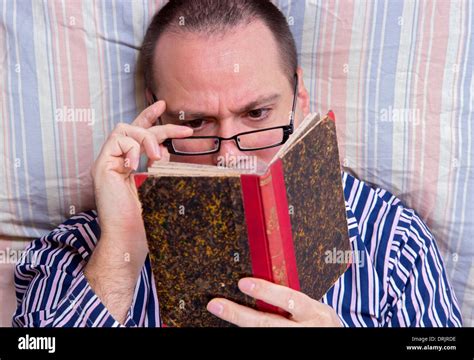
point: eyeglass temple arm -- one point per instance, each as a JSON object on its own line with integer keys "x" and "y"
{"x": 295, "y": 95}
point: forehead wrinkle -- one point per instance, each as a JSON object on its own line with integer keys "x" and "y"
{"x": 248, "y": 106}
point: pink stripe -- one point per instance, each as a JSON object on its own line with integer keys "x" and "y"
{"x": 39, "y": 252}
{"x": 100, "y": 51}
{"x": 429, "y": 132}
{"x": 355, "y": 281}
{"x": 361, "y": 106}
{"x": 80, "y": 81}
{"x": 151, "y": 7}
{"x": 434, "y": 102}
{"x": 58, "y": 279}
{"x": 85, "y": 234}
{"x": 66, "y": 128}
{"x": 428, "y": 287}
{"x": 388, "y": 250}
{"x": 143, "y": 279}
{"x": 440, "y": 284}
{"x": 73, "y": 309}
{"x": 372, "y": 279}
{"x": 438, "y": 267}
{"x": 401, "y": 318}
{"x": 93, "y": 303}
{"x": 381, "y": 215}
{"x": 365, "y": 213}
{"x": 103, "y": 316}
{"x": 454, "y": 118}
{"x": 327, "y": 20}
{"x": 60, "y": 78}
{"x": 345, "y": 15}
{"x": 7, "y": 156}
{"x": 354, "y": 190}
{"x": 417, "y": 88}
{"x": 155, "y": 297}
{"x": 414, "y": 298}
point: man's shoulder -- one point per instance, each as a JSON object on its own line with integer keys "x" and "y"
{"x": 80, "y": 231}
{"x": 357, "y": 191}
{"x": 381, "y": 215}
{"x": 87, "y": 219}
{"x": 82, "y": 218}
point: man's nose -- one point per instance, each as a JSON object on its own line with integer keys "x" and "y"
{"x": 228, "y": 147}
{"x": 226, "y": 153}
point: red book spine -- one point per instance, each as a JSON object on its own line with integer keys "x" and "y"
{"x": 269, "y": 230}
{"x": 283, "y": 240}
{"x": 258, "y": 244}
{"x": 280, "y": 239}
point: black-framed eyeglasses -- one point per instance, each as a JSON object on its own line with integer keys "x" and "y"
{"x": 246, "y": 141}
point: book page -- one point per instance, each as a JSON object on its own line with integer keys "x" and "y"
{"x": 309, "y": 123}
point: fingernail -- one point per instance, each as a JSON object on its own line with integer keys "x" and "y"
{"x": 215, "y": 307}
{"x": 247, "y": 285}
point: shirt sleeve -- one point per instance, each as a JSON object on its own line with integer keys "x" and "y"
{"x": 418, "y": 288}
{"x": 51, "y": 288}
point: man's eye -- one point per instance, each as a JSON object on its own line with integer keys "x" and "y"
{"x": 194, "y": 124}
{"x": 258, "y": 113}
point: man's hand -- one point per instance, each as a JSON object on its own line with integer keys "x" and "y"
{"x": 305, "y": 312}
{"x": 115, "y": 264}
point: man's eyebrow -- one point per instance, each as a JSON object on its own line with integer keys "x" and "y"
{"x": 185, "y": 114}
{"x": 264, "y": 99}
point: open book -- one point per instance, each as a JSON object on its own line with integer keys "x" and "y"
{"x": 208, "y": 226}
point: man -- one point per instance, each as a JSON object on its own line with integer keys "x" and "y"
{"x": 223, "y": 68}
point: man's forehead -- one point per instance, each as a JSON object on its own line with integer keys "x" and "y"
{"x": 254, "y": 38}
{"x": 204, "y": 74}
{"x": 243, "y": 54}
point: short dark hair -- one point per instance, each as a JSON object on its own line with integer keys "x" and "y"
{"x": 213, "y": 17}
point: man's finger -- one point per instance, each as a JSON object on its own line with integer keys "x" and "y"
{"x": 165, "y": 157}
{"x": 168, "y": 131}
{"x": 296, "y": 303}
{"x": 244, "y": 316}
{"x": 152, "y": 137}
{"x": 144, "y": 137}
{"x": 149, "y": 115}
{"x": 120, "y": 146}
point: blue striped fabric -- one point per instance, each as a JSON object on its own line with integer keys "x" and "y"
{"x": 396, "y": 279}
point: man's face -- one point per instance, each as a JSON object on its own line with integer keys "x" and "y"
{"x": 225, "y": 85}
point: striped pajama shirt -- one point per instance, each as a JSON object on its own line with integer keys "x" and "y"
{"x": 397, "y": 277}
